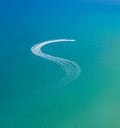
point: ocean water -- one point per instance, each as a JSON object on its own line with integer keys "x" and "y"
{"x": 28, "y": 95}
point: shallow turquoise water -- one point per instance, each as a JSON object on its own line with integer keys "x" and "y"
{"x": 92, "y": 100}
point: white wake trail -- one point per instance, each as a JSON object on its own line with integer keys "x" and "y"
{"x": 71, "y": 69}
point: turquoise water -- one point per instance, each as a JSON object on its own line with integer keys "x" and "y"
{"x": 26, "y": 99}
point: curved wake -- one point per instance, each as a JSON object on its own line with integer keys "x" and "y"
{"x": 71, "y": 69}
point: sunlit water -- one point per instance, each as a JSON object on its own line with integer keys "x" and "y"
{"x": 28, "y": 95}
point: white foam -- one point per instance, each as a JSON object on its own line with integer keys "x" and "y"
{"x": 71, "y": 68}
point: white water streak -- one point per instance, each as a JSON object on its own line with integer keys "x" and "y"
{"x": 71, "y": 69}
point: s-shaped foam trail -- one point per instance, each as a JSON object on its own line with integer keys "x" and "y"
{"x": 71, "y": 68}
